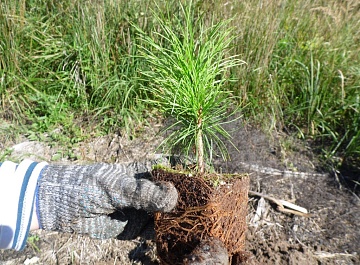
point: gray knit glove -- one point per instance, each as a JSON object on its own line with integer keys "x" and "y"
{"x": 73, "y": 198}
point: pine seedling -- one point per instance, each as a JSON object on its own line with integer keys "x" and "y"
{"x": 189, "y": 67}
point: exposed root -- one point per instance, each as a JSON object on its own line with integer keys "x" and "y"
{"x": 203, "y": 212}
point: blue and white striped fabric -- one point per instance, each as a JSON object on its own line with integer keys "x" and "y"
{"x": 18, "y": 184}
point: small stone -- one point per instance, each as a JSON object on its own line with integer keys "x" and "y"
{"x": 33, "y": 260}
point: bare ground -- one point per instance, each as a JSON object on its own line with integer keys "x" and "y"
{"x": 331, "y": 235}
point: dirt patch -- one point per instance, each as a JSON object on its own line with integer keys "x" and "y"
{"x": 290, "y": 171}
{"x": 330, "y": 236}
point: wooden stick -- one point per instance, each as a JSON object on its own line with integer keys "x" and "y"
{"x": 291, "y": 208}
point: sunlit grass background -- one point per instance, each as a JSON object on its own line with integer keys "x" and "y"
{"x": 70, "y": 64}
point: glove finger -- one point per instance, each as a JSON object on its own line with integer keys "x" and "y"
{"x": 151, "y": 196}
{"x": 209, "y": 252}
{"x": 100, "y": 227}
{"x": 125, "y": 187}
{"x": 129, "y": 191}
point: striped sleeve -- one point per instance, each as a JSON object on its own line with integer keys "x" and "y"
{"x": 18, "y": 183}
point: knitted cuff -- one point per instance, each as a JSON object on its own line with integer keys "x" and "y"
{"x": 17, "y": 193}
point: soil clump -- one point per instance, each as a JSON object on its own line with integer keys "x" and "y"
{"x": 206, "y": 209}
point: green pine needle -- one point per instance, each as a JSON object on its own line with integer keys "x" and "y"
{"x": 186, "y": 79}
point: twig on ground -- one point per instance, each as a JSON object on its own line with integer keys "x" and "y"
{"x": 328, "y": 255}
{"x": 291, "y": 208}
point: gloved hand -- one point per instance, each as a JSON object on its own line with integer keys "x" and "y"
{"x": 75, "y": 198}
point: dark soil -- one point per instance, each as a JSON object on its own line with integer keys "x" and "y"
{"x": 331, "y": 235}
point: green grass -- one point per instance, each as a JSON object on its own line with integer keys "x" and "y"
{"x": 61, "y": 59}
